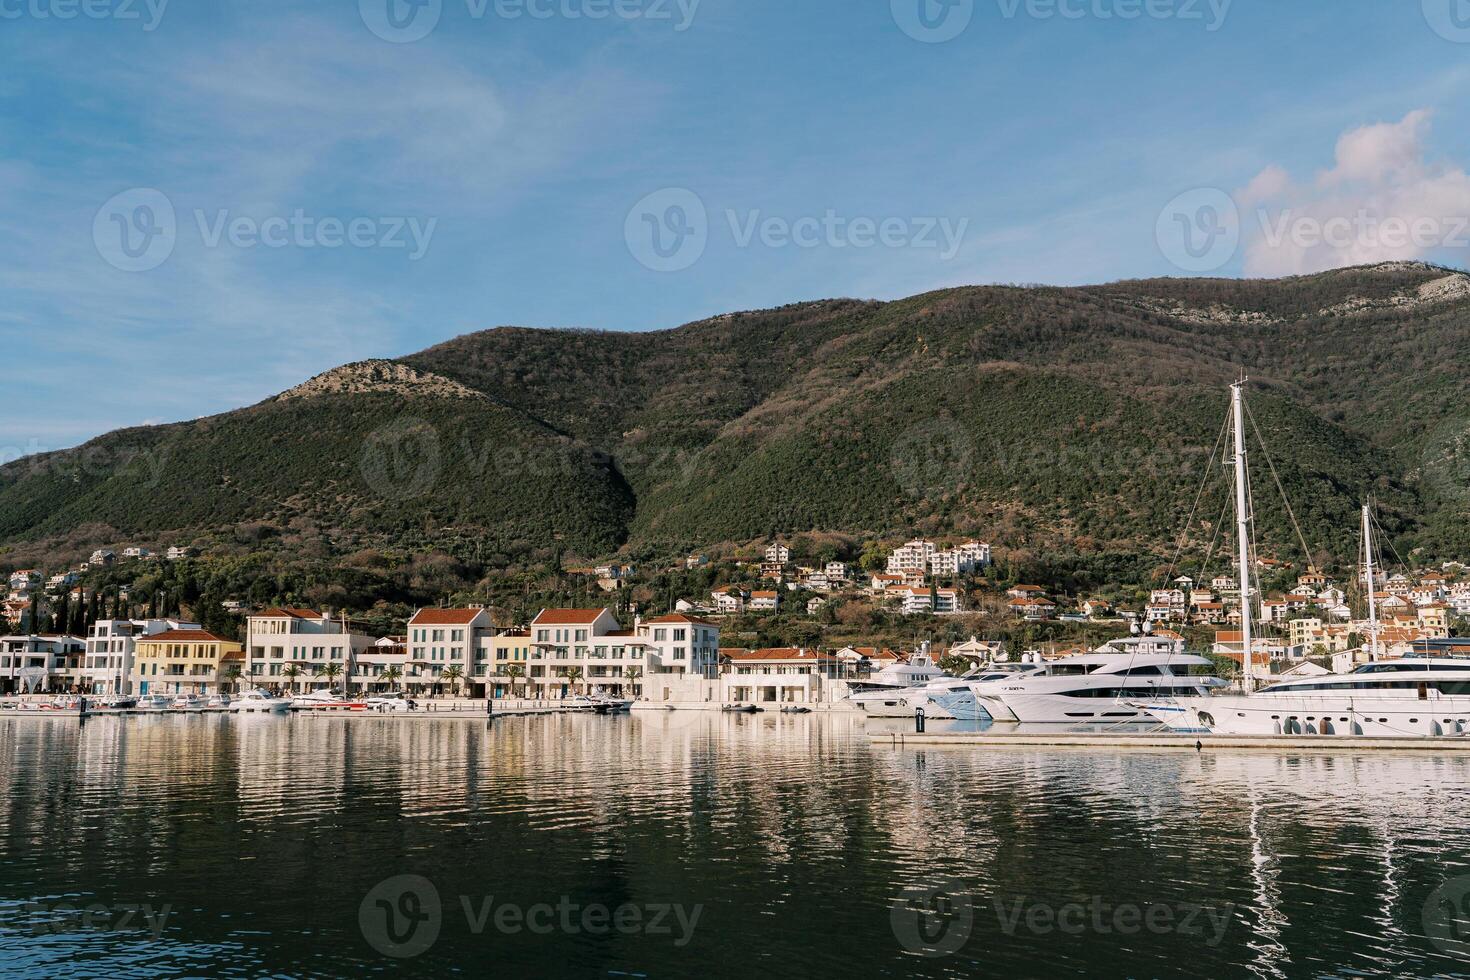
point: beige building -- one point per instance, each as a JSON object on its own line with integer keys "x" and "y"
{"x": 182, "y": 662}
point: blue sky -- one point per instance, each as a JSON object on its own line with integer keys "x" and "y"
{"x": 502, "y": 168}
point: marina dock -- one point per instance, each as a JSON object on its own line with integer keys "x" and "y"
{"x": 1164, "y": 740}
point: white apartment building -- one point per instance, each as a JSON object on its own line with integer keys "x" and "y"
{"x": 591, "y": 641}
{"x": 836, "y": 571}
{"x": 25, "y": 579}
{"x": 680, "y": 644}
{"x": 765, "y": 601}
{"x": 920, "y": 557}
{"x": 442, "y": 638}
{"x": 911, "y": 559}
{"x": 777, "y": 554}
{"x": 30, "y": 664}
{"x": 588, "y": 639}
{"x": 729, "y": 601}
{"x": 916, "y": 601}
{"x": 321, "y": 649}
{"x": 107, "y": 663}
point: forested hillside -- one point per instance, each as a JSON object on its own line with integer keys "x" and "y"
{"x": 1072, "y": 422}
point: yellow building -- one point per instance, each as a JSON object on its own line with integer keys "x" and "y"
{"x": 182, "y": 662}
{"x": 511, "y": 648}
{"x": 1434, "y": 620}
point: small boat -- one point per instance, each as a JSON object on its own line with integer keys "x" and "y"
{"x": 796, "y": 709}
{"x": 747, "y": 709}
{"x": 187, "y": 702}
{"x": 218, "y": 702}
{"x": 580, "y": 702}
{"x": 261, "y": 702}
{"x": 154, "y": 702}
{"x": 394, "y": 702}
{"x": 120, "y": 702}
{"x": 606, "y": 704}
{"x": 326, "y": 701}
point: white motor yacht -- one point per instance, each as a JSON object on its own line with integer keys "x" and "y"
{"x": 1415, "y": 697}
{"x": 1092, "y": 688}
{"x": 391, "y": 702}
{"x": 899, "y": 689}
{"x": 258, "y": 701}
{"x": 326, "y": 700}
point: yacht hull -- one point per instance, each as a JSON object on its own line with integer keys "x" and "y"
{"x": 1363, "y": 715}
{"x": 1060, "y": 709}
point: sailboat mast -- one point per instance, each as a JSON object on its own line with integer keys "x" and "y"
{"x": 1242, "y": 522}
{"x": 1370, "y": 575}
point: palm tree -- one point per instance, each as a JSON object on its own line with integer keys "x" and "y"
{"x": 291, "y": 672}
{"x": 233, "y": 676}
{"x": 391, "y": 676}
{"x": 330, "y": 671}
{"x": 573, "y": 675}
{"x": 515, "y": 672}
{"x": 453, "y": 674}
{"x": 632, "y": 673}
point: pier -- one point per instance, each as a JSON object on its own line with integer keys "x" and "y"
{"x": 1154, "y": 741}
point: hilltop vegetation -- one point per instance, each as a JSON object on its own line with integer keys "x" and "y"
{"x": 1069, "y": 426}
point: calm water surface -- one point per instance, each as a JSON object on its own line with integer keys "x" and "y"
{"x": 679, "y": 844}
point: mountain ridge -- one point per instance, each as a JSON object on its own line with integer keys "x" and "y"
{"x": 1062, "y": 418}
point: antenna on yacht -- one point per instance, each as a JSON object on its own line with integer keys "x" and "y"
{"x": 1370, "y": 575}
{"x": 1242, "y": 520}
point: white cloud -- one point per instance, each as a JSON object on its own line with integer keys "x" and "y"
{"x": 1383, "y": 200}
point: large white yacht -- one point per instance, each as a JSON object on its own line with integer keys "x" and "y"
{"x": 1415, "y": 697}
{"x": 898, "y": 690}
{"x": 944, "y": 698}
{"x": 1103, "y": 687}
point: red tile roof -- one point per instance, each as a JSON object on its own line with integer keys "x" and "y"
{"x": 288, "y": 613}
{"x": 567, "y": 617}
{"x": 681, "y": 618}
{"x": 774, "y": 653}
{"x": 184, "y": 636}
{"x": 445, "y": 617}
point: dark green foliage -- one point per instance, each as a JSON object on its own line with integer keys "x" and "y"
{"x": 1069, "y": 426}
